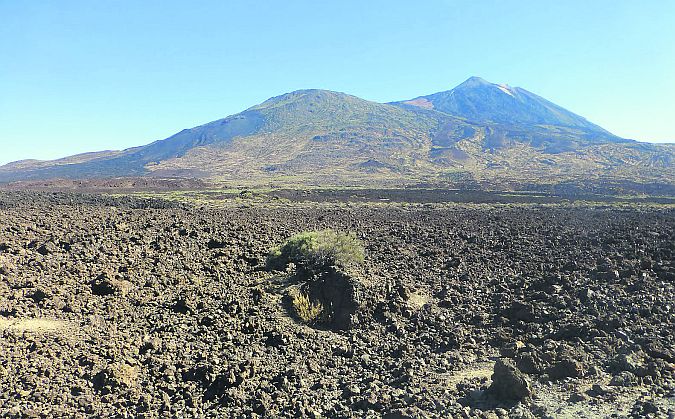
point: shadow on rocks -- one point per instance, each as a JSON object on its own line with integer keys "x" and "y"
{"x": 509, "y": 388}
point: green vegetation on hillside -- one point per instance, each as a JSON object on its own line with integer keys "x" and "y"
{"x": 324, "y": 138}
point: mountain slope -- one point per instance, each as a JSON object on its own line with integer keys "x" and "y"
{"x": 324, "y": 132}
{"x": 478, "y": 133}
{"x": 484, "y": 102}
{"x": 306, "y": 129}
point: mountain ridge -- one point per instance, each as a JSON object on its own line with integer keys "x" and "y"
{"x": 479, "y": 131}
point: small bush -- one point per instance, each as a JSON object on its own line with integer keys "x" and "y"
{"x": 306, "y": 310}
{"x": 317, "y": 250}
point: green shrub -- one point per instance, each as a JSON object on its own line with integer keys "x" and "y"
{"x": 316, "y": 250}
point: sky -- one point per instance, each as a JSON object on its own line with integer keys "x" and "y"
{"x": 79, "y": 76}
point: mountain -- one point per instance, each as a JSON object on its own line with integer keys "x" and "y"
{"x": 478, "y": 133}
{"x": 303, "y": 131}
{"x": 484, "y": 102}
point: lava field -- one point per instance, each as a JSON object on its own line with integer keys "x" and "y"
{"x": 126, "y": 307}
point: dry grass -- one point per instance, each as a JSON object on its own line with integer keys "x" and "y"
{"x": 306, "y": 310}
{"x": 417, "y": 300}
{"x": 33, "y": 325}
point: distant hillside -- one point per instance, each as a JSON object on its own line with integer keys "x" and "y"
{"x": 478, "y": 133}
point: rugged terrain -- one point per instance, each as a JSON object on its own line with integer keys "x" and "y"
{"x": 133, "y": 307}
{"x": 478, "y": 133}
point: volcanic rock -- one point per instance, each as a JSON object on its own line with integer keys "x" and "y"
{"x": 105, "y": 284}
{"x": 565, "y": 368}
{"x": 344, "y": 294}
{"x": 116, "y": 376}
{"x": 624, "y": 379}
{"x": 508, "y": 383}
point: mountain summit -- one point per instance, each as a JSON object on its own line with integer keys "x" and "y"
{"x": 481, "y": 101}
{"x": 478, "y": 133}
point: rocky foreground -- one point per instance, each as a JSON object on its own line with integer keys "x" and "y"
{"x": 137, "y": 308}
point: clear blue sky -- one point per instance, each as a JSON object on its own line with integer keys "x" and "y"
{"x": 90, "y": 75}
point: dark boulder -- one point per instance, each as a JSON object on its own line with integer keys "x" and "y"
{"x": 624, "y": 379}
{"x": 47, "y": 248}
{"x": 566, "y": 368}
{"x": 508, "y": 382}
{"x": 338, "y": 292}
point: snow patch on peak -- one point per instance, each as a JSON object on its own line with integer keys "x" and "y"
{"x": 505, "y": 88}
